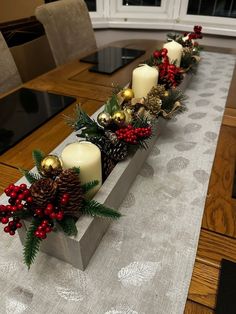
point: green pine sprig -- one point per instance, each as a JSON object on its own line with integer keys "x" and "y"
{"x": 68, "y": 226}
{"x": 32, "y": 244}
{"x": 76, "y": 170}
{"x": 174, "y": 94}
{"x": 23, "y": 214}
{"x": 93, "y": 208}
{"x": 90, "y": 185}
{"x": 189, "y": 62}
{"x": 38, "y": 157}
{"x": 30, "y": 176}
{"x": 141, "y": 122}
{"x": 142, "y": 144}
{"x": 83, "y": 123}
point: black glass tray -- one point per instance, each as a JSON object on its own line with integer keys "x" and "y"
{"x": 25, "y": 110}
{"x": 110, "y": 59}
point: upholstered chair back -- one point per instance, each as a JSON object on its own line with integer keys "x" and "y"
{"x": 9, "y": 75}
{"x": 68, "y": 28}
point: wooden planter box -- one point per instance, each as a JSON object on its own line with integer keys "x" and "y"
{"x": 78, "y": 250}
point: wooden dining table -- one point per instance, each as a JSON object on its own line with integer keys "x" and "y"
{"x": 91, "y": 90}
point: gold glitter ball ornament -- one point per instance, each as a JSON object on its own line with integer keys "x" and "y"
{"x": 166, "y": 94}
{"x": 119, "y": 118}
{"x": 50, "y": 166}
{"x": 104, "y": 119}
{"x": 127, "y": 94}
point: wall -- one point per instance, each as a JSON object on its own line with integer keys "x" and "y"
{"x": 106, "y": 36}
{"x": 17, "y": 9}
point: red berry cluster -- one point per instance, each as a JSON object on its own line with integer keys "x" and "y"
{"x": 48, "y": 213}
{"x": 52, "y": 211}
{"x": 42, "y": 230}
{"x": 18, "y": 196}
{"x": 12, "y": 225}
{"x": 168, "y": 72}
{"x": 196, "y": 34}
{"x": 159, "y": 54}
{"x": 132, "y": 135}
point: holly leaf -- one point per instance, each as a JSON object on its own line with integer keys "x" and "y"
{"x": 112, "y": 105}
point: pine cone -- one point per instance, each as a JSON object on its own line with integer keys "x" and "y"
{"x": 111, "y": 136}
{"x": 187, "y": 50}
{"x": 157, "y": 91}
{"x": 107, "y": 166}
{"x": 43, "y": 191}
{"x": 68, "y": 183}
{"x": 114, "y": 150}
{"x": 153, "y": 104}
{"x": 118, "y": 151}
{"x": 166, "y": 82}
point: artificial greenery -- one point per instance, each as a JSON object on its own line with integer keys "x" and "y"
{"x": 90, "y": 185}
{"x": 30, "y": 176}
{"x": 93, "y": 208}
{"x": 68, "y": 225}
{"x": 38, "y": 157}
{"x": 112, "y": 105}
{"x": 82, "y": 122}
{"x": 32, "y": 244}
{"x": 174, "y": 95}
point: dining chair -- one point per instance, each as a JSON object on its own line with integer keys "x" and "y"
{"x": 68, "y": 28}
{"x": 9, "y": 75}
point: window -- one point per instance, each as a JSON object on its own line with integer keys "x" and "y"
{"x": 92, "y": 5}
{"x": 224, "y": 8}
{"x": 150, "y": 3}
{"x": 216, "y": 16}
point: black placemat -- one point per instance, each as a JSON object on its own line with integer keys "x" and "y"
{"x": 24, "y": 110}
{"x": 110, "y": 59}
{"x": 226, "y": 295}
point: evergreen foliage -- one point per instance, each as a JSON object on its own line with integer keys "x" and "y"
{"x": 94, "y": 208}
{"x": 68, "y": 225}
{"x": 76, "y": 170}
{"x": 83, "y": 123}
{"x": 32, "y": 243}
{"x": 30, "y": 176}
{"x": 90, "y": 185}
{"x": 38, "y": 157}
{"x": 174, "y": 95}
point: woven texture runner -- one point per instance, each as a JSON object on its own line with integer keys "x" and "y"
{"x": 144, "y": 263}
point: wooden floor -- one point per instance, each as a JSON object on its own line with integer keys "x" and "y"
{"x": 218, "y": 232}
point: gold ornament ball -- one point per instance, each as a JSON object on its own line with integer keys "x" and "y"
{"x": 51, "y": 166}
{"x": 104, "y": 119}
{"x": 127, "y": 94}
{"x": 119, "y": 118}
{"x": 166, "y": 93}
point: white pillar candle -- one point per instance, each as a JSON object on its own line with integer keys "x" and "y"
{"x": 174, "y": 52}
{"x": 87, "y": 157}
{"x": 143, "y": 79}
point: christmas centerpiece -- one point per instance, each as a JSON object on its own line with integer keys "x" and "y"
{"x": 54, "y": 200}
{"x": 90, "y": 173}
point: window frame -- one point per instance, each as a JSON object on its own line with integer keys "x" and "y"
{"x": 120, "y": 11}
{"x": 212, "y": 24}
{"x": 171, "y": 15}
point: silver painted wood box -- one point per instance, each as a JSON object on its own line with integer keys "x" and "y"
{"x": 78, "y": 250}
